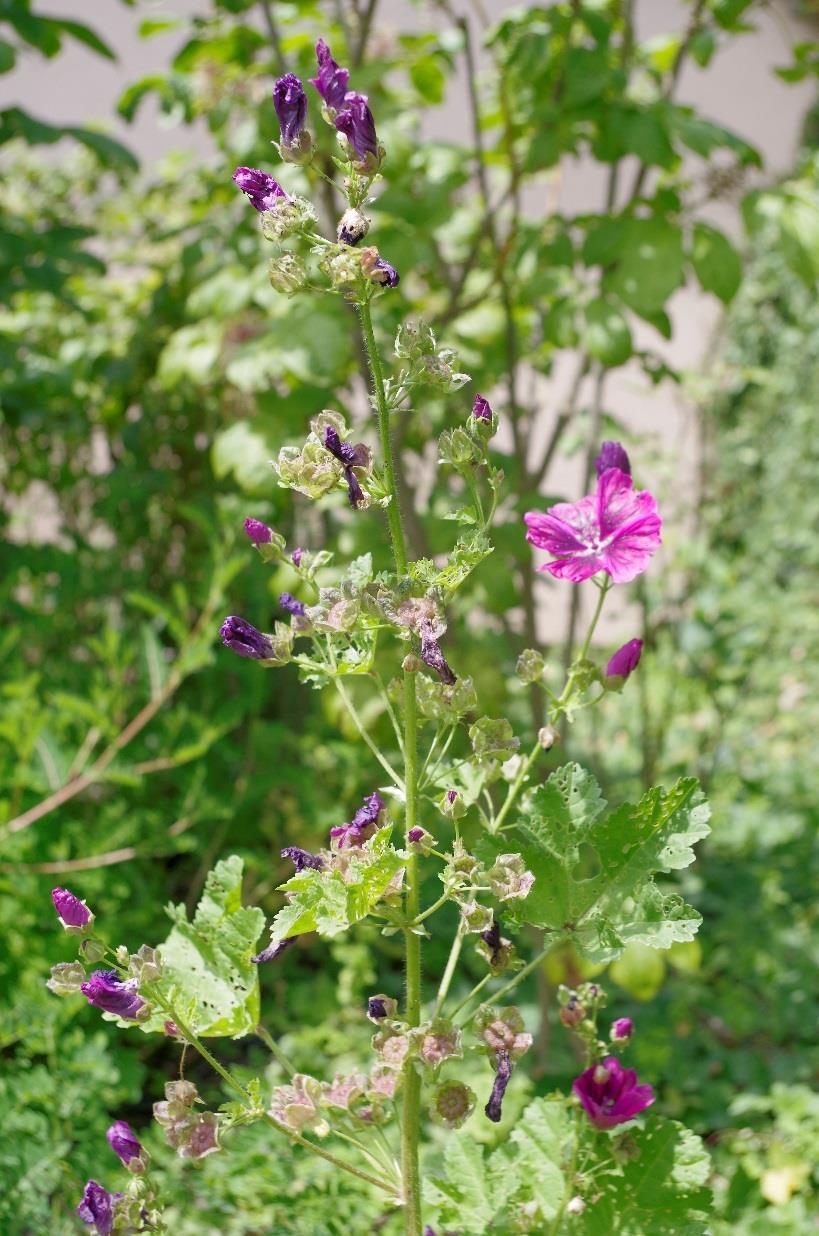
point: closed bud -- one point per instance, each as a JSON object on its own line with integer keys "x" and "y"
{"x": 530, "y": 667}
{"x": 575, "y": 1206}
{"x": 622, "y": 1030}
{"x": 451, "y": 804}
{"x": 572, "y": 1013}
{"x": 547, "y": 736}
{"x": 353, "y": 227}
{"x": 92, "y": 950}
{"x": 411, "y": 663}
{"x": 414, "y": 339}
{"x": 420, "y": 841}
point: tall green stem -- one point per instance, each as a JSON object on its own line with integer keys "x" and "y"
{"x": 411, "y": 1111}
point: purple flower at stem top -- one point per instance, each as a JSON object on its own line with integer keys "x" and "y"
{"x": 242, "y": 637}
{"x": 107, "y": 991}
{"x": 289, "y": 603}
{"x": 331, "y": 82}
{"x": 290, "y": 103}
{"x": 262, "y": 189}
{"x": 610, "y": 1094}
{"x": 615, "y": 530}
{"x": 622, "y": 1029}
{"x": 357, "y": 124}
{"x": 503, "y": 1071}
{"x": 302, "y": 858}
{"x": 625, "y": 659}
{"x": 364, "y": 823}
{"x": 481, "y": 409}
{"x": 612, "y": 455}
{"x": 258, "y": 532}
{"x": 71, "y": 911}
{"x": 97, "y": 1207}
{"x": 126, "y": 1146}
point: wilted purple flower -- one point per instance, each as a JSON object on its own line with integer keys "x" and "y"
{"x": 296, "y": 557}
{"x": 481, "y": 409}
{"x": 358, "y": 126}
{"x": 107, "y": 991}
{"x": 262, "y": 189}
{"x": 71, "y": 911}
{"x": 610, "y": 1094}
{"x": 492, "y": 940}
{"x": 258, "y": 532}
{"x": 432, "y": 655}
{"x": 97, "y": 1207}
{"x": 290, "y": 103}
{"x": 364, "y": 823}
{"x": 244, "y": 638}
{"x": 615, "y": 530}
{"x": 612, "y": 455}
{"x": 625, "y": 659}
{"x": 331, "y": 82}
{"x": 380, "y": 1007}
{"x": 385, "y": 274}
{"x": 273, "y": 951}
{"x": 622, "y": 1029}
{"x": 303, "y": 858}
{"x": 350, "y": 456}
{"x": 126, "y": 1145}
{"x": 503, "y": 1071}
{"x": 289, "y": 603}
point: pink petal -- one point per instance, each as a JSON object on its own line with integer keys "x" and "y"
{"x": 575, "y": 568}
{"x": 551, "y": 533}
{"x": 629, "y": 553}
{"x": 615, "y": 501}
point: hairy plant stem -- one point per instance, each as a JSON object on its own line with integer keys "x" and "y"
{"x": 411, "y": 1111}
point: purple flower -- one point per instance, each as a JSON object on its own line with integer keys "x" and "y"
{"x": 289, "y": 603}
{"x": 290, "y": 103}
{"x": 481, "y": 409}
{"x": 363, "y": 825}
{"x": 492, "y": 940}
{"x": 262, "y": 189}
{"x": 625, "y": 659}
{"x": 97, "y": 1207}
{"x": 358, "y": 126}
{"x": 107, "y": 991}
{"x": 243, "y": 638}
{"x": 503, "y": 1067}
{"x": 415, "y": 834}
{"x": 350, "y": 456}
{"x": 71, "y": 911}
{"x": 451, "y": 795}
{"x": 376, "y": 1008}
{"x": 273, "y": 951}
{"x": 612, "y": 455}
{"x": 331, "y": 82}
{"x": 303, "y": 858}
{"x": 385, "y": 274}
{"x": 610, "y": 1094}
{"x": 432, "y": 655}
{"x": 296, "y": 557}
{"x": 615, "y": 530}
{"x": 258, "y": 532}
{"x": 126, "y": 1145}
{"x": 622, "y": 1029}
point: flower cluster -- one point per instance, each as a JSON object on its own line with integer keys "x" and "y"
{"x": 193, "y": 1134}
{"x": 131, "y": 1211}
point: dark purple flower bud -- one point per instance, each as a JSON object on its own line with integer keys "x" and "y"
{"x": 481, "y": 409}
{"x": 72, "y": 912}
{"x": 289, "y": 603}
{"x": 503, "y": 1067}
{"x": 344, "y": 452}
{"x": 262, "y": 189}
{"x": 612, "y": 455}
{"x": 303, "y": 858}
{"x": 622, "y": 1029}
{"x": 331, "y": 82}
{"x": 290, "y": 103}
{"x": 415, "y": 834}
{"x": 625, "y": 659}
{"x": 243, "y": 638}
{"x": 126, "y": 1145}
{"x": 376, "y": 1008}
{"x": 97, "y": 1208}
{"x": 451, "y": 795}
{"x": 358, "y": 126}
{"x": 432, "y": 656}
{"x": 273, "y": 951}
{"x": 107, "y": 991}
{"x": 258, "y": 532}
{"x": 492, "y": 940}
{"x": 610, "y": 1094}
{"x": 296, "y": 557}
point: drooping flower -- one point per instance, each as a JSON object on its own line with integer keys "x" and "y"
{"x": 503, "y": 1071}
{"x": 625, "y": 660}
{"x": 432, "y": 655}
{"x": 71, "y": 911}
{"x": 107, "y": 991}
{"x": 127, "y": 1146}
{"x": 289, "y": 603}
{"x": 610, "y": 1094}
{"x": 258, "y": 532}
{"x": 242, "y": 637}
{"x": 364, "y": 823}
{"x": 612, "y": 455}
{"x": 357, "y": 124}
{"x": 97, "y": 1207}
{"x": 615, "y": 530}
{"x": 290, "y": 103}
{"x": 492, "y": 940}
{"x": 351, "y": 456}
{"x": 261, "y": 188}
{"x": 331, "y": 82}
{"x": 481, "y": 409}
{"x": 273, "y": 951}
{"x": 622, "y": 1029}
{"x": 502, "y": 1030}
{"x": 303, "y": 858}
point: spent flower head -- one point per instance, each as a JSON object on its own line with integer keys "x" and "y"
{"x": 453, "y": 1103}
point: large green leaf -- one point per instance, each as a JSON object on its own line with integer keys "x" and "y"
{"x": 716, "y": 262}
{"x": 594, "y": 873}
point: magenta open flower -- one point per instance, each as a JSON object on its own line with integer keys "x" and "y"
{"x": 611, "y": 1094}
{"x": 107, "y": 991}
{"x": 97, "y": 1208}
{"x": 625, "y": 659}
{"x": 615, "y": 530}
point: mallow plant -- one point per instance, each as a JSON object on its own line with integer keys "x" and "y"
{"x": 458, "y": 802}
